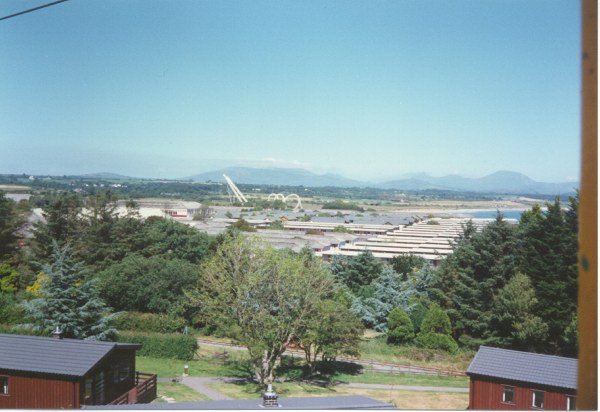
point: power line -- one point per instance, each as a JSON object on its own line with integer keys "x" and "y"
{"x": 33, "y": 9}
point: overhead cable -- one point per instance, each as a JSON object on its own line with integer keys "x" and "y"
{"x": 33, "y": 9}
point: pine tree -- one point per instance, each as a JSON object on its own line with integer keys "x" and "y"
{"x": 548, "y": 256}
{"x": 513, "y": 320}
{"x": 68, "y": 302}
{"x": 10, "y": 221}
{"x": 467, "y": 282}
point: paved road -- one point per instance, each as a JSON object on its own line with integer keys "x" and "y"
{"x": 199, "y": 384}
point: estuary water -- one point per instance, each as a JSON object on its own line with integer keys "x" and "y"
{"x": 491, "y": 214}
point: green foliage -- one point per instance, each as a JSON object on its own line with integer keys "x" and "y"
{"x": 340, "y": 204}
{"x": 242, "y": 225}
{"x": 10, "y": 220}
{"x": 146, "y": 284}
{"x": 69, "y": 302}
{"x": 9, "y": 278}
{"x": 468, "y": 280}
{"x": 64, "y": 223}
{"x": 436, "y": 330}
{"x": 357, "y": 271}
{"x": 407, "y": 263}
{"x": 417, "y": 314}
{"x": 333, "y": 330}
{"x": 11, "y": 311}
{"x": 438, "y": 341}
{"x": 149, "y": 322}
{"x": 400, "y": 327}
{"x": 264, "y": 296}
{"x": 548, "y": 256}
{"x": 341, "y": 229}
{"x": 436, "y": 321}
{"x": 159, "y": 345}
{"x": 276, "y": 225}
{"x": 175, "y": 240}
{"x": 389, "y": 291}
{"x": 513, "y": 321}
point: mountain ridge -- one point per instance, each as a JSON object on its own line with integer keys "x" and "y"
{"x": 503, "y": 181}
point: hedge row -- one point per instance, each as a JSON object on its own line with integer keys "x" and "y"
{"x": 149, "y": 322}
{"x": 162, "y": 345}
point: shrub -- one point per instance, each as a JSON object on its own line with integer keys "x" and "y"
{"x": 159, "y": 345}
{"x": 436, "y": 321}
{"x": 432, "y": 340}
{"x": 11, "y": 311}
{"x": 400, "y": 327}
{"x": 149, "y": 322}
{"x": 417, "y": 315}
{"x": 340, "y": 204}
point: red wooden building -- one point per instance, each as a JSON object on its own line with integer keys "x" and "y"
{"x": 509, "y": 379}
{"x": 40, "y": 372}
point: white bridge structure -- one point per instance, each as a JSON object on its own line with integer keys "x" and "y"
{"x": 237, "y": 192}
{"x": 284, "y": 198}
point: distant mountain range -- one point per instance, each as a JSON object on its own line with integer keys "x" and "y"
{"x": 277, "y": 176}
{"x": 502, "y": 182}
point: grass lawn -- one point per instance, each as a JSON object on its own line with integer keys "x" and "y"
{"x": 236, "y": 365}
{"x": 207, "y": 363}
{"x": 404, "y": 379}
{"x": 376, "y": 348}
{"x": 402, "y": 399}
{"x": 179, "y": 392}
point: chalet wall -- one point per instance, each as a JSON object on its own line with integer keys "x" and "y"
{"x": 487, "y": 394}
{"x": 27, "y": 392}
{"x": 106, "y": 377}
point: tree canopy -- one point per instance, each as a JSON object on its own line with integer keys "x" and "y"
{"x": 264, "y": 295}
{"x": 68, "y": 302}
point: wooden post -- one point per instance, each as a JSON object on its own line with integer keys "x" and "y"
{"x": 587, "y": 383}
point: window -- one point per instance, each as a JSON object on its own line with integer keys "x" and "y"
{"x": 508, "y": 394}
{"x": 87, "y": 392}
{"x": 571, "y": 403}
{"x": 3, "y": 385}
{"x": 537, "y": 399}
{"x": 123, "y": 371}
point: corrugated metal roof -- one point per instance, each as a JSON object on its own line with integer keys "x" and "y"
{"x": 70, "y": 357}
{"x": 514, "y": 365}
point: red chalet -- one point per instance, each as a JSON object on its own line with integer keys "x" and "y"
{"x": 509, "y": 379}
{"x": 40, "y": 372}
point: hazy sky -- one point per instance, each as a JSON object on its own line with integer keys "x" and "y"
{"x": 369, "y": 89}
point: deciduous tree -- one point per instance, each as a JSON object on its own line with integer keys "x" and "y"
{"x": 262, "y": 296}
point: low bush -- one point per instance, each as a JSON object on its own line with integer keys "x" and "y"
{"x": 160, "y": 345}
{"x": 149, "y": 322}
{"x": 439, "y": 341}
{"x": 400, "y": 327}
{"x": 21, "y": 330}
{"x": 11, "y": 311}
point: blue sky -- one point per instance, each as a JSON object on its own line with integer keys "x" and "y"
{"x": 368, "y": 89}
